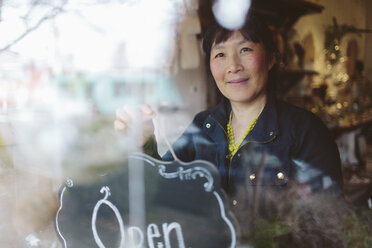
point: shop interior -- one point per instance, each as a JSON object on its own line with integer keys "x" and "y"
{"x": 325, "y": 66}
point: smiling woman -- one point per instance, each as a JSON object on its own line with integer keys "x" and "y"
{"x": 265, "y": 150}
{"x": 240, "y": 68}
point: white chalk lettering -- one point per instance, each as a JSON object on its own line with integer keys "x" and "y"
{"x": 135, "y": 234}
{"x": 105, "y": 190}
{"x": 152, "y": 232}
{"x": 166, "y": 231}
{"x": 131, "y": 236}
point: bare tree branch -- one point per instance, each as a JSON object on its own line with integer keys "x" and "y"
{"x": 32, "y": 7}
{"x": 52, "y": 14}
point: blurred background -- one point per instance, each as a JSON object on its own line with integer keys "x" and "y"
{"x": 67, "y": 65}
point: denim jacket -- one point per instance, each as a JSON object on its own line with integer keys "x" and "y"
{"x": 287, "y": 145}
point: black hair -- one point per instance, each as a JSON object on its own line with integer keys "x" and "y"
{"x": 254, "y": 29}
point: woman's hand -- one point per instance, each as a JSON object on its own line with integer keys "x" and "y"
{"x": 127, "y": 119}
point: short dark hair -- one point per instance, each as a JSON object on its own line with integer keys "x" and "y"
{"x": 254, "y": 29}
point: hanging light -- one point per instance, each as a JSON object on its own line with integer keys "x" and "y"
{"x": 231, "y": 14}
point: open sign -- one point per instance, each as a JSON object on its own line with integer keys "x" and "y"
{"x": 183, "y": 207}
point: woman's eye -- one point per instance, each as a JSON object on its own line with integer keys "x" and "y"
{"x": 245, "y": 49}
{"x": 219, "y": 55}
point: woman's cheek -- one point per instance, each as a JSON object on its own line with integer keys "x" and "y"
{"x": 215, "y": 70}
{"x": 256, "y": 62}
{"x": 259, "y": 62}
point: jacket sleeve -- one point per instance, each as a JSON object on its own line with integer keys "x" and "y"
{"x": 317, "y": 158}
{"x": 151, "y": 148}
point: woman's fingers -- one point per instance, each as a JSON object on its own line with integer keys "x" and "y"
{"x": 147, "y": 112}
{"x": 120, "y": 126}
{"x": 123, "y": 115}
{"x": 123, "y": 119}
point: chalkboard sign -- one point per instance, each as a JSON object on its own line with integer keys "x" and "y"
{"x": 177, "y": 204}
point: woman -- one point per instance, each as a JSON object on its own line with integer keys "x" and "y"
{"x": 257, "y": 142}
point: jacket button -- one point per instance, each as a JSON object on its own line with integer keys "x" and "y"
{"x": 238, "y": 154}
{"x": 252, "y": 176}
{"x": 280, "y": 175}
{"x": 234, "y": 202}
{"x": 271, "y": 133}
{"x": 208, "y": 125}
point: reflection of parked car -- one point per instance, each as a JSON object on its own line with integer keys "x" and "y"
{"x": 312, "y": 179}
{"x": 107, "y": 92}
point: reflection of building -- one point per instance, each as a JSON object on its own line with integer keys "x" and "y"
{"x": 107, "y": 92}
{"x": 21, "y": 82}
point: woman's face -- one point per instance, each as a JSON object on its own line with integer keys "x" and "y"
{"x": 240, "y": 68}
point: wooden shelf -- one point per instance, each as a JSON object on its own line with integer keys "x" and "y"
{"x": 281, "y": 14}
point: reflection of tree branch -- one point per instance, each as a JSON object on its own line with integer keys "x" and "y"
{"x": 53, "y": 13}
{"x": 90, "y": 24}
{"x": 33, "y": 4}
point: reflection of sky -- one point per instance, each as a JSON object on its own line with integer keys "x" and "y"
{"x": 88, "y": 34}
{"x": 95, "y": 38}
{"x": 88, "y": 38}
{"x": 107, "y": 44}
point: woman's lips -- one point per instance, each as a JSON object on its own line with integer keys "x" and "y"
{"x": 239, "y": 81}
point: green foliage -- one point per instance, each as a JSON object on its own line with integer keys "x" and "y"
{"x": 274, "y": 233}
{"x": 358, "y": 229}
{"x": 267, "y": 231}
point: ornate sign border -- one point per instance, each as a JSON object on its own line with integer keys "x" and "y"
{"x": 182, "y": 173}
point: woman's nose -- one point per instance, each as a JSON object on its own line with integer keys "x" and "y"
{"x": 234, "y": 64}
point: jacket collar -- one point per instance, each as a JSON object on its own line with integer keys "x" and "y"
{"x": 266, "y": 128}
{"x": 221, "y": 113}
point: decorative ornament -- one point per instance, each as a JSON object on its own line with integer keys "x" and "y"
{"x": 333, "y": 36}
